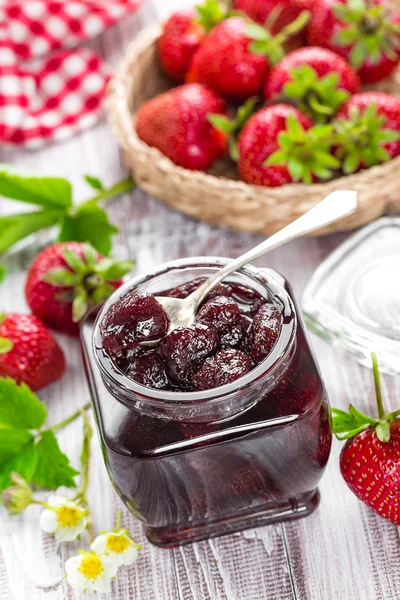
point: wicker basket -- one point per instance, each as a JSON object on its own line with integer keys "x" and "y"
{"x": 217, "y": 196}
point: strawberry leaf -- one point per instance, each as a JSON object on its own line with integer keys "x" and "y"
{"x": 24, "y": 463}
{"x": 12, "y": 440}
{"x": 74, "y": 261}
{"x": 5, "y": 345}
{"x": 19, "y": 406}
{"x": 53, "y": 467}
{"x": 232, "y": 127}
{"x": 383, "y": 431}
{"x": 306, "y": 153}
{"x": 48, "y": 192}
{"x": 361, "y": 137}
{"x": 319, "y": 98}
{"x": 89, "y": 223}
{"x": 112, "y": 271}
{"x": 19, "y": 226}
{"x": 62, "y": 278}
{"x": 94, "y": 182}
{"x": 3, "y": 273}
{"x": 211, "y": 12}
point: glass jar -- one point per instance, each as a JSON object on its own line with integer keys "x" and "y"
{"x": 192, "y": 465}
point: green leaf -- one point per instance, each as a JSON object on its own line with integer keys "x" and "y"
{"x": 115, "y": 270}
{"x": 89, "y": 223}
{"x": 16, "y": 227}
{"x": 74, "y": 261}
{"x": 53, "y": 467}
{"x": 295, "y": 169}
{"x": 94, "y": 182}
{"x": 346, "y": 36}
{"x": 383, "y": 431}
{"x": 5, "y": 345}
{"x": 19, "y": 406}
{"x": 12, "y": 440}
{"x": 80, "y": 304}
{"x": 342, "y": 421}
{"x": 49, "y": 192}
{"x": 62, "y": 277}
{"x": 91, "y": 255}
{"x": 221, "y": 123}
{"x": 360, "y": 418}
{"x": 211, "y": 12}
{"x": 257, "y": 32}
{"x": 3, "y": 273}
{"x": 24, "y": 463}
{"x": 358, "y": 55}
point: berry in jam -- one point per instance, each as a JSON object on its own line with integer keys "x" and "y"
{"x": 133, "y": 319}
{"x": 184, "y": 350}
{"x": 224, "y": 313}
{"x": 231, "y": 317}
{"x": 222, "y": 368}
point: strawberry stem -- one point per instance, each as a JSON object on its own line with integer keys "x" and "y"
{"x": 70, "y": 419}
{"x": 377, "y": 380}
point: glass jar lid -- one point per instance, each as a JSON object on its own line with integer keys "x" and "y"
{"x": 353, "y": 298}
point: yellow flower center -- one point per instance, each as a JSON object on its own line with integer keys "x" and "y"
{"x": 69, "y": 516}
{"x": 117, "y": 543}
{"x": 91, "y": 567}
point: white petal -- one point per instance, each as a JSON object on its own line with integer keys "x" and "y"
{"x": 99, "y": 544}
{"x": 102, "y": 584}
{"x": 57, "y": 501}
{"x": 48, "y": 521}
{"x": 129, "y": 556}
{"x": 77, "y": 580}
{"x": 110, "y": 566}
{"x": 69, "y": 534}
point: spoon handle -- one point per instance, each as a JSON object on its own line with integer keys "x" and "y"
{"x": 340, "y": 203}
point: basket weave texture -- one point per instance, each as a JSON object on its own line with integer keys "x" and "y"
{"x": 218, "y": 196}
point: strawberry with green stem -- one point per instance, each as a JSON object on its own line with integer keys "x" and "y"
{"x": 67, "y": 279}
{"x": 183, "y": 33}
{"x": 370, "y": 459}
{"x": 365, "y": 32}
{"x": 235, "y": 58}
{"x": 280, "y": 145}
{"x": 318, "y": 81}
{"x": 367, "y": 131}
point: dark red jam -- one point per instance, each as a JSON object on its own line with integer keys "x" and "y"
{"x": 234, "y": 331}
{"x": 189, "y": 477}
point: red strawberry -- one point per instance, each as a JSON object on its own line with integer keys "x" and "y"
{"x": 367, "y": 130}
{"x": 66, "y": 279}
{"x": 182, "y": 34}
{"x": 28, "y": 352}
{"x": 179, "y": 40}
{"x": 279, "y": 145}
{"x": 366, "y": 32}
{"x": 370, "y": 459}
{"x": 318, "y": 79}
{"x": 235, "y": 58}
{"x": 277, "y": 13}
{"x": 176, "y": 123}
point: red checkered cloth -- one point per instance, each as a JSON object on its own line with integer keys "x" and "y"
{"x": 48, "y": 91}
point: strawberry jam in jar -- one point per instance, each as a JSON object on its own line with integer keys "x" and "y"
{"x": 221, "y": 426}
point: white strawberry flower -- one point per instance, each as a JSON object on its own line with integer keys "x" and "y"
{"x": 89, "y": 571}
{"x": 118, "y": 545}
{"x": 64, "y": 518}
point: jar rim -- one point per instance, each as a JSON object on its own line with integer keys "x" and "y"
{"x": 283, "y": 345}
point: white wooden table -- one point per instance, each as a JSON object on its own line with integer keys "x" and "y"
{"x": 341, "y": 552}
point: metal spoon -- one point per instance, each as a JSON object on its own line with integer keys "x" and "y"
{"x": 339, "y": 204}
